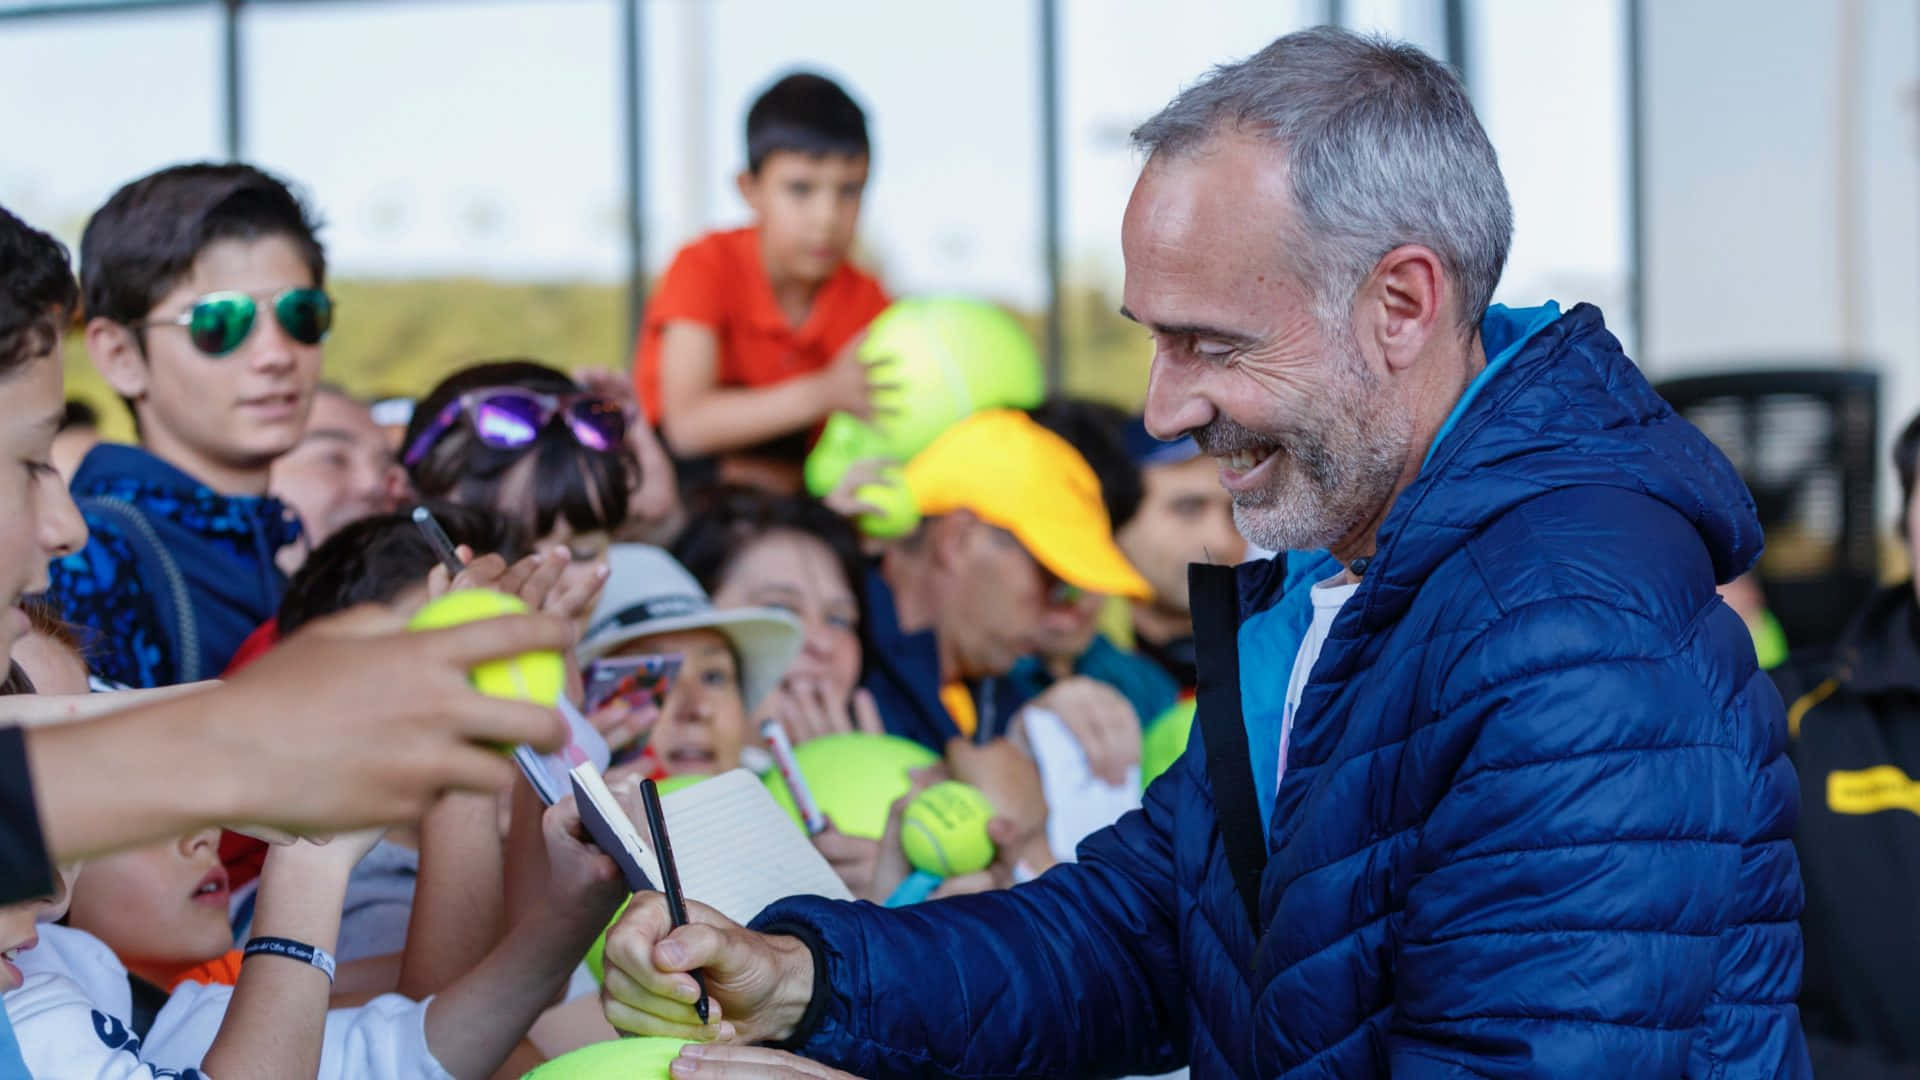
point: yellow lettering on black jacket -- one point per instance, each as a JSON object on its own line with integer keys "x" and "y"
{"x": 1869, "y": 791}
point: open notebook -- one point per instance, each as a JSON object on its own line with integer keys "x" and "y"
{"x": 737, "y": 850}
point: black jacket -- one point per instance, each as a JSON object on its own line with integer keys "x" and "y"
{"x": 1854, "y": 722}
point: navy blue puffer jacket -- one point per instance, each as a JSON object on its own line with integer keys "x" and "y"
{"x": 1535, "y": 820}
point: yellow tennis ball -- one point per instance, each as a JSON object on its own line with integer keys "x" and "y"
{"x": 945, "y": 830}
{"x": 898, "y": 512}
{"x": 539, "y": 677}
{"x": 615, "y": 1059}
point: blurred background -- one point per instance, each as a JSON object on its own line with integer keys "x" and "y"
{"x": 1736, "y": 182}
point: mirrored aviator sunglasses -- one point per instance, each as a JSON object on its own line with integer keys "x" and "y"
{"x": 218, "y": 323}
{"x": 509, "y": 418}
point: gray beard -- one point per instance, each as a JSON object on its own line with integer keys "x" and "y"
{"x": 1328, "y": 480}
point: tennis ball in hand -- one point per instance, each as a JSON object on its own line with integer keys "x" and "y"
{"x": 616, "y": 1059}
{"x": 539, "y": 677}
{"x": 945, "y": 830}
{"x": 844, "y": 439}
{"x": 898, "y": 513}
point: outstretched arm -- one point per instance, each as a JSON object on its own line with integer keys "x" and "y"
{"x": 1075, "y": 974}
{"x": 276, "y": 1018}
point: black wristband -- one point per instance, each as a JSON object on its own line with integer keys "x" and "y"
{"x": 292, "y": 950}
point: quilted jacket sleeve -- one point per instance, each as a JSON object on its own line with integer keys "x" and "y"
{"x": 1073, "y": 975}
{"x": 1601, "y": 754}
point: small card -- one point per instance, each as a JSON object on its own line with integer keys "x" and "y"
{"x": 638, "y": 680}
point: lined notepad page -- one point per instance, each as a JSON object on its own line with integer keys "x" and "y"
{"x": 737, "y": 850}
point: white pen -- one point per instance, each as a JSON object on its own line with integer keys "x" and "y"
{"x": 777, "y": 741}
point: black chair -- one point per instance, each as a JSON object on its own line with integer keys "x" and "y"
{"x": 1806, "y": 442}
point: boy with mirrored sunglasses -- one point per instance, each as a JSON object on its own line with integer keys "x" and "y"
{"x": 206, "y": 309}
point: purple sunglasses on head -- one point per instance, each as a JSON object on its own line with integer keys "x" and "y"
{"x": 510, "y": 418}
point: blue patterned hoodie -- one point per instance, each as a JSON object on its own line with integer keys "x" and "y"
{"x": 174, "y": 575}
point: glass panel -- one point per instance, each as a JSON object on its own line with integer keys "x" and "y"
{"x": 1121, "y": 61}
{"x": 97, "y": 7}
{"x": 466, "y": 158}
{"x": 1558, "y": 118}
{"x": 112, "y": 97}
{"x": 953, "y": 204}
{"x": 1417, "y": 22}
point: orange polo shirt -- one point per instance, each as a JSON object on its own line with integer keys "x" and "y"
{"x": 719, "y": 281}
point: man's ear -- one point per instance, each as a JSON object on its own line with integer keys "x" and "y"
{"x": 117, "y": 356}
{"x": 1405, "y": 303}
{"x": 951, "y": 536}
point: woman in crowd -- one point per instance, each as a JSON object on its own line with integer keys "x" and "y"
{"x": 749, "y": 548}
{"x": 730, "y": 660}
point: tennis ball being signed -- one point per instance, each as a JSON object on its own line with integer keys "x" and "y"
{"x": 539, "y": 677}
{"x": 616, "y": 1059}
{"x": 945, "y": 830}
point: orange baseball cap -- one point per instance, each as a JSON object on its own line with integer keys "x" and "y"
{"x": 1013, "y": 473}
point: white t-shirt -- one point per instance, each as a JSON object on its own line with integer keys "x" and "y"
{"x": 1328, "y": 598}
{"x": 1079, "y": 803}
{"x": 68, "y": 1017}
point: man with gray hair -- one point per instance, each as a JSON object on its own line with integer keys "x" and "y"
{"x": 1484, "y": 782}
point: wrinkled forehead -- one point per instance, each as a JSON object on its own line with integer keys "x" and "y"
{"x": 1207, "y": 230}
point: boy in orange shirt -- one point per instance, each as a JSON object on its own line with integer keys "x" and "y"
{"x": 749, "y": 339}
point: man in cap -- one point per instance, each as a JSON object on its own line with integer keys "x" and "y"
{"x": 1013, "y": 533}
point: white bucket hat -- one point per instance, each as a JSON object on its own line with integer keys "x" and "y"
{"x": 649, "y": 593}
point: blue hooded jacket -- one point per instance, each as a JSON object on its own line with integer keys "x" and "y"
{"x": 1536, "y": 817}
{"x": 174, "y": 576}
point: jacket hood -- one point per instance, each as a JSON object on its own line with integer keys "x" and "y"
{"x": 1559, "y": 406}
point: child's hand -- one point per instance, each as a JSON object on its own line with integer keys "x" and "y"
{"x": 339, "y": 853}
{"x": 807, "y": 710}
{"x": 622, "y": 723}
{"x": 1101, "y": 720}
{"x": 842, "y": 500}
{"x": 584, "y": 887}
{"x": 854, "y": 858}
{"x": 849, "y": 381}
{"x": 575, "y": 595}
